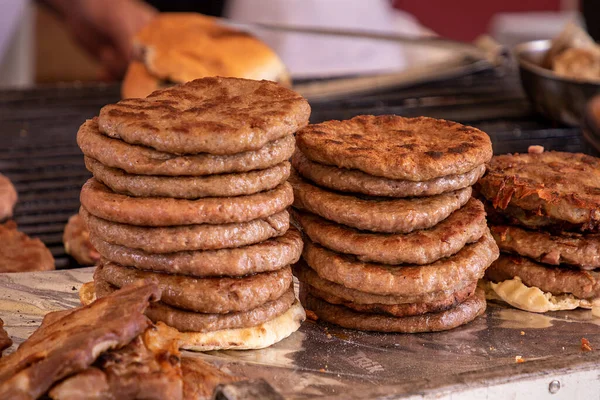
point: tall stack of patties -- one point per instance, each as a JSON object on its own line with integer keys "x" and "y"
{"x": 545, "y": 213}
{"x": 190, "y": 191}
{"x": 393, "y": 240}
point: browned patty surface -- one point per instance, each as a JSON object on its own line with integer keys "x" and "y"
{"x": 375, "y": 213}
{"x": 575, "y": 249}
{"x": 355, "y": 181}
{"x": 69, "y": 341}
{"x": 270, "y": 255}
{"x": 396, "y": 310}
{"x": 465, "y": 225}
{"x": 170, "y": 239}
{"x": 213, "y": 115}
{"x": 76, "y": 239}
{"x": 307, "y": 275}
{"x": 463, "y": 313}
{"x": 131, "y": 372}
{"x": 555, "y": 280}
{"x": 20, "y": 253}
{"x": 403, "y": 280}
{"x": 146, "y": 161}
{"x": 189, "y": 187}
{"x": 8, "y": 198}
{"x": 561, "y": 186}
{"x": 414, "y": 149}
{"x": 100, "y": 201}
{"x": 5, "y": 340}
{"x": 207, "y": 295}
{"x": 189, "y": 321}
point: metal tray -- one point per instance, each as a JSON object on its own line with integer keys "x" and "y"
{"x": 476, "y": 361}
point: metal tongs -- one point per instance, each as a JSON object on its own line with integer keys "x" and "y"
{"x": 467, "y": 58}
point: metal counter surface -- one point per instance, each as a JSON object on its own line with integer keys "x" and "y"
{"x": 477, "y": 361}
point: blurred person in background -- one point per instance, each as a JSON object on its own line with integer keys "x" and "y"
{"x": 105, "y": 29}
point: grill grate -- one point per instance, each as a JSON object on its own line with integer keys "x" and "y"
{"x": 38, "y": 151}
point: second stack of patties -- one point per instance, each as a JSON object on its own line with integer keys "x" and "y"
{"x": 190, "y": 191}
{"x": 544, "y": 210}
{"x": 394, "y": 241}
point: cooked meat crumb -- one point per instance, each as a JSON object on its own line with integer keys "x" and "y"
{"x": 585, "y": 345}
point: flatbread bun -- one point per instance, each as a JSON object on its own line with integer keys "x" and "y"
{"x": 180, "y": 47}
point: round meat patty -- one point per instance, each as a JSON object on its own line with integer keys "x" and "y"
{"x": 207, "y": 295}
{"x": 395, "y": 310}
{"x": 143, "y": 160}
{"x": 189, "y": 321}
{"x": 462, "y": 314}
{"x": 270, "y": 255}
{"x": 375, "y": 213}
{"x": 100, "y": 201}
{"x": 555, "y": 280}
{"x": 171, "y": 239}
{"x": 414, "y": 149}
{"x": 8, "y": 198}
{"x": 577, "y": 250}
{"x": 76, "y": 239}
{"x": 403, "y": 280}
{"x": 560, "y": 186}
{"x": 355, "y": 181}
{"x": 210, "y": 115}
{"x": 308, "y": 276}
{"x": 20, "y": 253}
{"x": 465, "y": 225}
{"x": 189, "y": 187}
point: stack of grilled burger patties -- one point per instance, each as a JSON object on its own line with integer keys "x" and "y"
{"x": 544, "y": 211}
{"x": 393, "y": 240}
{"x": 190, "y": 192}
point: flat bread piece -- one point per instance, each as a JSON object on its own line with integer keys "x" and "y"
{"x": 5, "y": 340}
{"x": 144, "y": 160}
{"x": 207, "y": 295}
{"x": 138, "y": 81}
{"x": 132, "y": 372}
{"x": 355, "y": 181}
{"x": 575, "y": 249}
{"x": 394, "y": 147}
{"x": 76, "y": 239}
{"x": 69, "y": 341}
{"x": 377, "y": 214}
{"x": 8, "y": 198}
{"x": 462, "y": 314}
{"x": 308, "y": 276}
{"x": 20, "y": 253}
{"x": 560, "y": 186}
{"x": 463, "y": 226}
{"x": 102, "y": 202}
{"x": 169, "y": 239}
{"x": 403, "y": 280}
{"x": 189, "y": 187}
{"x": 256, "y": 337}
{"x": 209, "y": 115}
{"x": 270, "y": 255}
{"x": 180, "y": 47}
{"x": 396, "y": 310}
{"x": 555, "y": 280}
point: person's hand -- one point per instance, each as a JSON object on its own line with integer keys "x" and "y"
{"x": 105, "y": 28}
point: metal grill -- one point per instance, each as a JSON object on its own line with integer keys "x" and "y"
{"x": 39, "y": 153}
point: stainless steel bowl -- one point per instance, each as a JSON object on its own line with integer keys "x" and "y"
{"x": 558, "y": 98}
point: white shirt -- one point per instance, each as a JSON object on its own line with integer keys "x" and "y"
{"x": 317, "y": 55}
